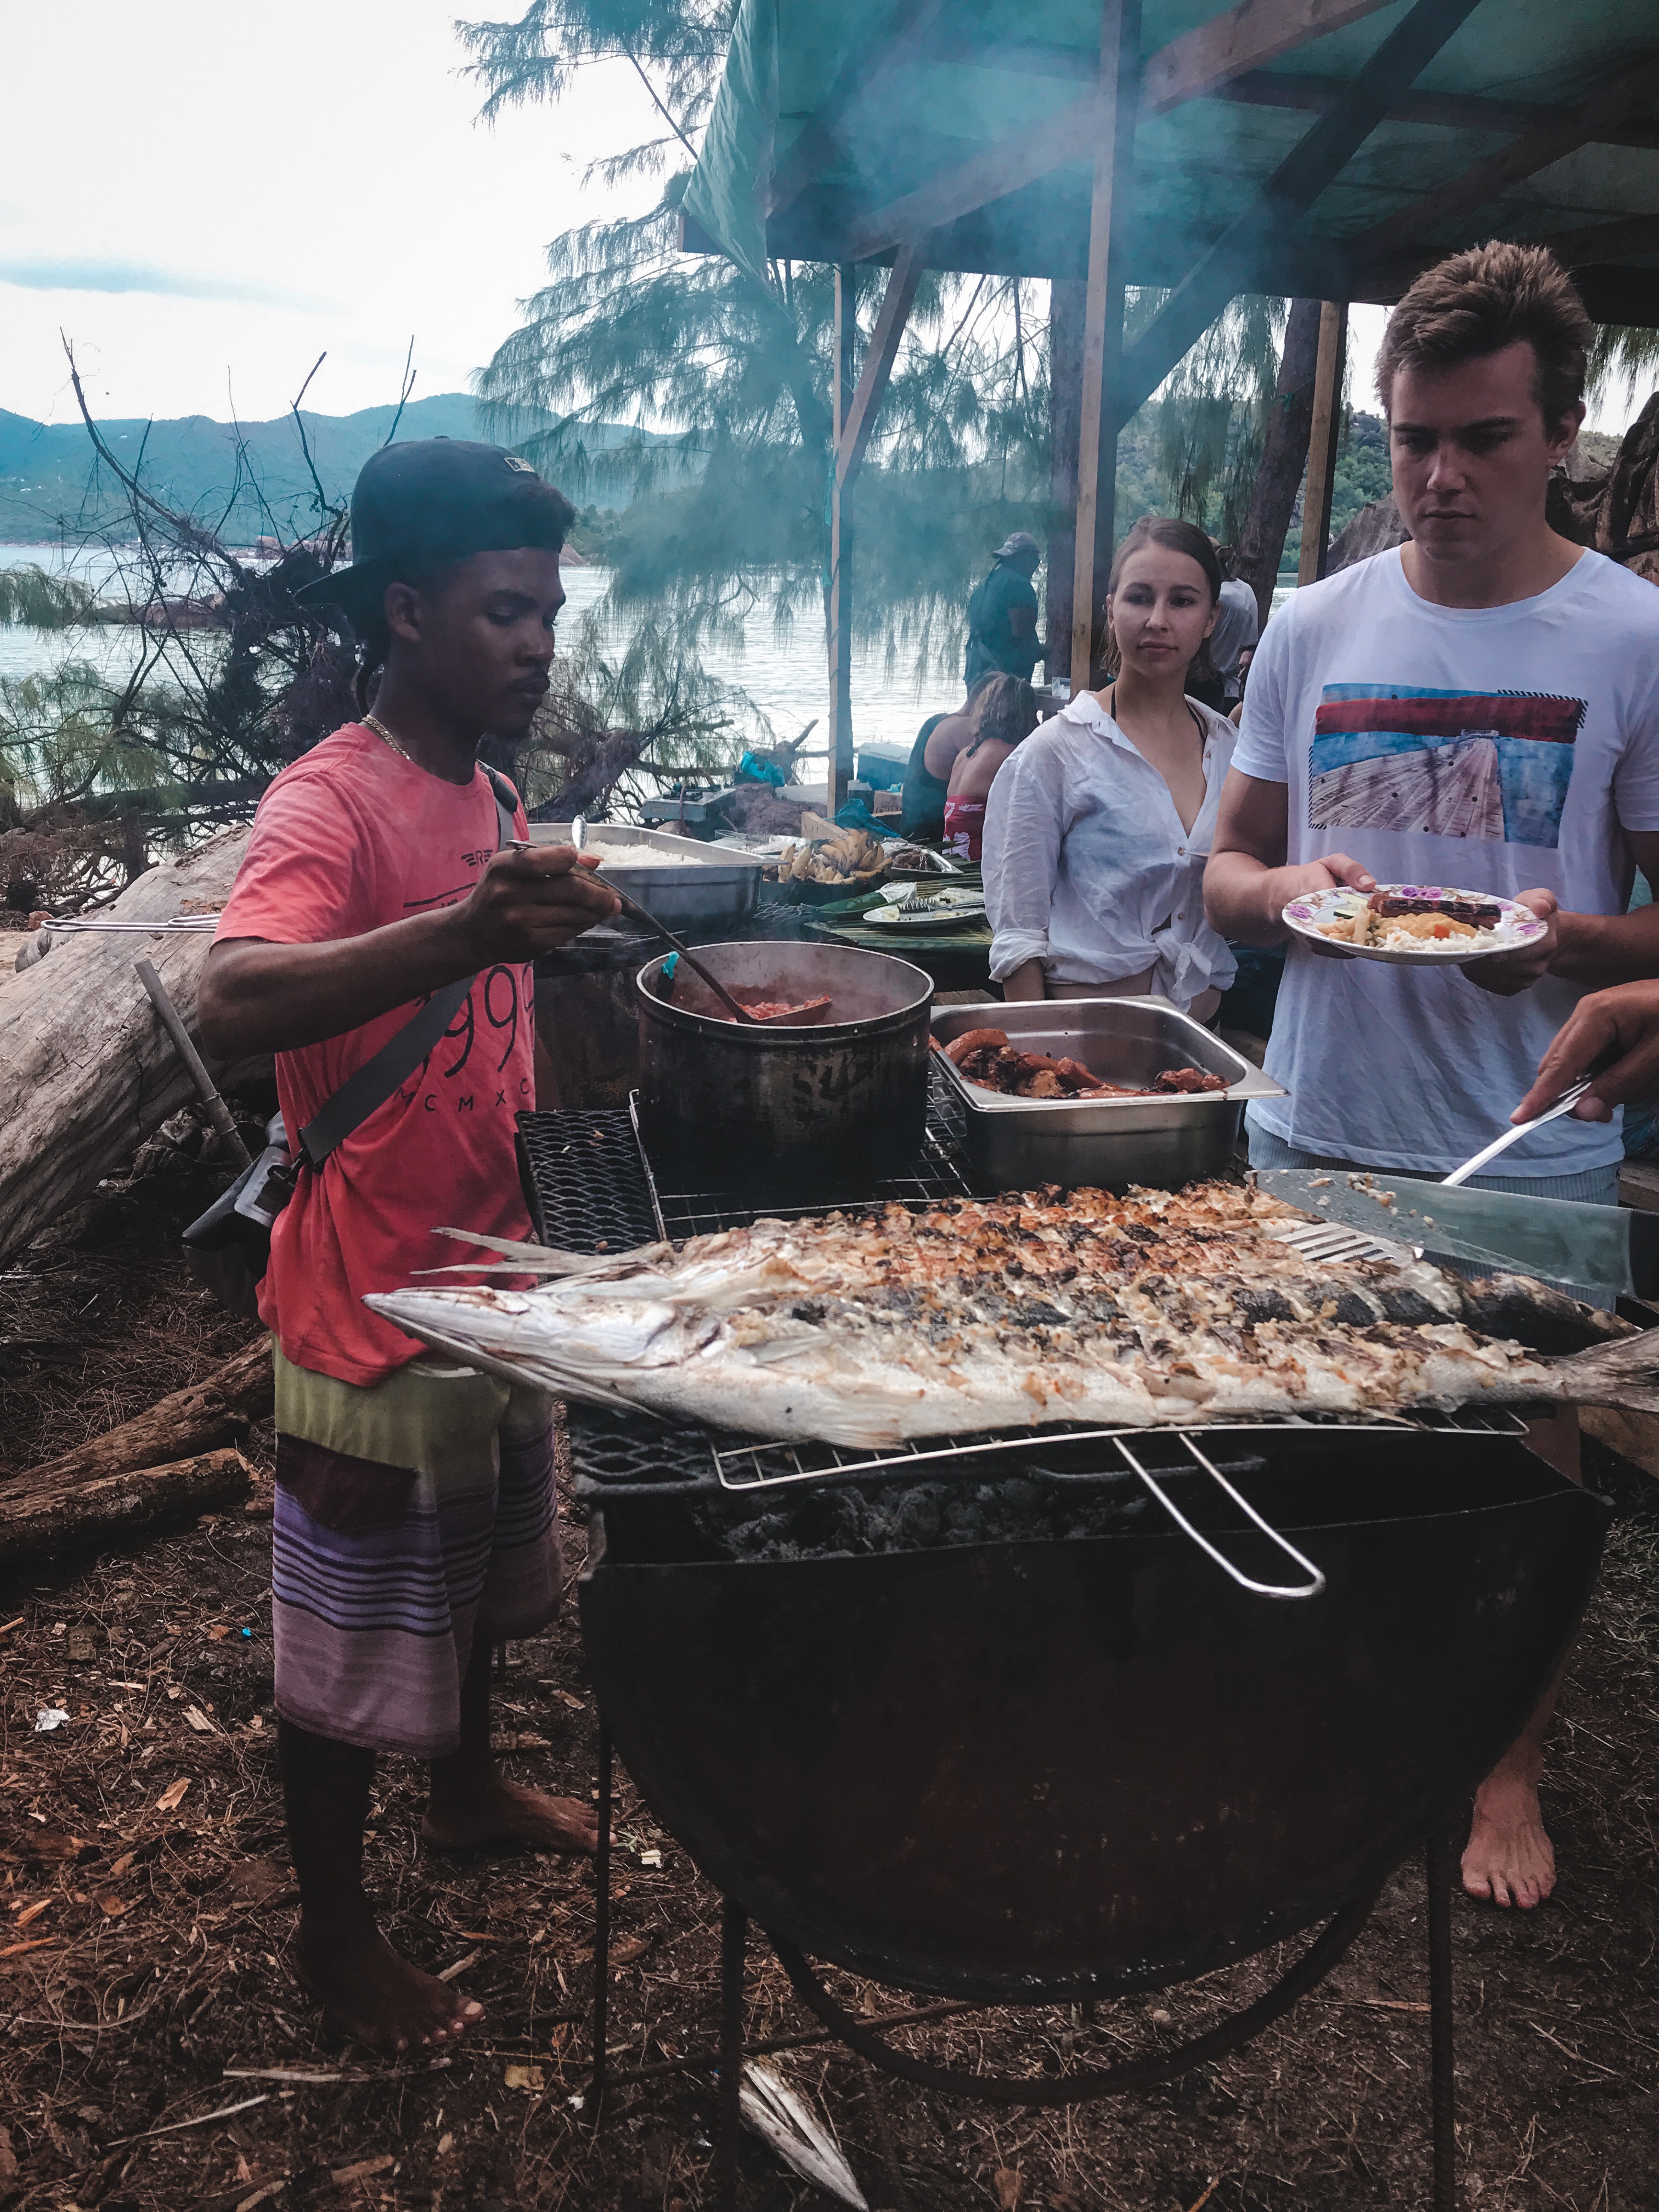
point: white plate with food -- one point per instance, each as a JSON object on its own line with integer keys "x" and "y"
{"x": 1413, "y": 925}
{"x": 946, "y": 910}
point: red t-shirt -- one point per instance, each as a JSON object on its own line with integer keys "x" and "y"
{"x": 351, "y": 838}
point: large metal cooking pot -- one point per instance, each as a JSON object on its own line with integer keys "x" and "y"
{"x": 1015, "y": 1770}
{"x": 786, "y": 1109}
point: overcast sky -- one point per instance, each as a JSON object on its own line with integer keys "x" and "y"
{"x": 198, "y": 190}
{"x": 206, "y": 194}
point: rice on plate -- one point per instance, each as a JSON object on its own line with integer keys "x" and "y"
{"x": 1424, "y": 925}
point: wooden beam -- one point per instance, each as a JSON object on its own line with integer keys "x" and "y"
{"x": 1226, "y": 269}
{"x": 1597, "y": 242}
{"x": 1002, "y": 168}
{"x": 1247, "y": 36}
{"x": 905, "y": 27}
{"x": 1323, "y": 436}
{"x": 1446, "y": 111}
{"x": 1116, "y": 95}
{"x": 1631, "y": 90}
{"x": 839, "y": 612}
{"x": 853, "y": 429}
{"x": 1254, "y": 32}
{"x": 1067, "y": 299}
{"x": 1593, "y": 247}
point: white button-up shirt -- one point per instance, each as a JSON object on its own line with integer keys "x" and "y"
{"x": 1088, "y": 867}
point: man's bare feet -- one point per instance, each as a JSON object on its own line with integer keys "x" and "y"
{"x": 489, "y": 1809}
{"x": 365, "y": 1988}
{"x": 1509, "y": 1859}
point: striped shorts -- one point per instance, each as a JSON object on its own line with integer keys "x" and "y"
{"x": 412, "y": 1518}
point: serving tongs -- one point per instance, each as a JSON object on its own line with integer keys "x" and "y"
{"x": 1513, "y": 1134}
{"x": 738, "y": 1011}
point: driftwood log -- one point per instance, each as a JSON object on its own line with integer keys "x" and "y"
{"x": 214, "y": 1411}
{"x": 35, "y": 1523}
{"x": 87, "y": 1072}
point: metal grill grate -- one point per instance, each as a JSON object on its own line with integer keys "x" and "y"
{"x": 583, "y": 1180}
{"x": 938, "y": 1173}
{"x": 590, "y": 1187}
{"x": 742, "y": 1465}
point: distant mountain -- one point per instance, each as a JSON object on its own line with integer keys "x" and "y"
{"x": 51, "y": 478}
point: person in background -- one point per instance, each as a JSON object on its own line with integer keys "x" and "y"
{"x": 1237, "y": 627}
{"x": 415, "y": 1522}
{"x": 1002, "y": 613}
{"x": 1243, "y": 677}
{"x": 1097, "y": 829}
{"x": 927, "y": 775}
{"x": 1003, "y": 712}
{"x": 1478, "y": 706}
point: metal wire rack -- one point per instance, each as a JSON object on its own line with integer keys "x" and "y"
{"x": 591, "y": 1187}
{"x": 745, "y": 1465}
{"x": 938, "y": 1172}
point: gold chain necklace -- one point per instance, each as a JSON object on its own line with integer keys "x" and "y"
{"x": 373, "y": 722}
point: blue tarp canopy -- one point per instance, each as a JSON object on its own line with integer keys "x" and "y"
{"x": 845, "y": 128}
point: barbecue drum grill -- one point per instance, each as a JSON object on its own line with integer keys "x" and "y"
{"x": 1023, "y": 1770}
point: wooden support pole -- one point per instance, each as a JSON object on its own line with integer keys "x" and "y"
{"x": 1066, "y": 305}
{"x": 841, "y": 551}
{"x": 1323, "y": 436}
{"x": 1102, "y": 337}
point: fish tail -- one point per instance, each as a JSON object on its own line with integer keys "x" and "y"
{"x": 1624, "y": 1375}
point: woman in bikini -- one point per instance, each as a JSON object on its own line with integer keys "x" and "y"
{"x": 1002, "y": 714}
{"x": 1097, "y": 828}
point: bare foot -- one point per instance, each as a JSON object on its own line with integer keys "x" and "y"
{"x": 1509, "y": 1859}
{"x": 489, "y": 1809}
{"x": 365, "y": 1988}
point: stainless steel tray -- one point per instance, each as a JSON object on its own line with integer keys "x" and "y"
{"x": 1162, "y": 1142}
{"x": 718, "y": 886}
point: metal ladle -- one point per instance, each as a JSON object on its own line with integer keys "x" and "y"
{"x": 739, "y": 1014}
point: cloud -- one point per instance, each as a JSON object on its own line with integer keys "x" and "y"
{"x": 68, "y": 274}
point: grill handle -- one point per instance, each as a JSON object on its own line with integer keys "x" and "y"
{"x": 1309, "y": 1589}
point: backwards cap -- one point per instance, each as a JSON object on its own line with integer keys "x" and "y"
{"x": 424, "y": 504}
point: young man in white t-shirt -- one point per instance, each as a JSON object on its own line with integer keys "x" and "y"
{"x": 1479, "y": 708}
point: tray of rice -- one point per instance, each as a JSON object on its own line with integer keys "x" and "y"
{"x": 684, "y": 883}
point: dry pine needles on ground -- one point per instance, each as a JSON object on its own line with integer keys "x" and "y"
{"x": 155, "y": 2050}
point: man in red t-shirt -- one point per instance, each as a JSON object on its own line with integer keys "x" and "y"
{"x": 415, "y": 1511}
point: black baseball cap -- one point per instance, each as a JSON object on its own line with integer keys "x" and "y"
{"x": 431, "y": 502}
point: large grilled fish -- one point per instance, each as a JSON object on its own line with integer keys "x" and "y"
{"x": 866, "y": 1329}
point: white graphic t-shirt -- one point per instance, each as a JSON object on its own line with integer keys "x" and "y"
{"x": 1491, "y": 748}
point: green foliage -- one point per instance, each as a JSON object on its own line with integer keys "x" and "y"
{"x": 1210, "y": 422}
{"x": 33, "y": 597}
{"x": 1621, "y": 355}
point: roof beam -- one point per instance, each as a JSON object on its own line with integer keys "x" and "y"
{"x": 1446, "y": 111}
{"x": 1592, "y": 246}
{"x": 1632, "y": 89}
{"x": 873, "y": 379}
{"x": 907, "y": 25}
{"x": 1227, "y": 268}
{"x": 1254, "y": 32}
{"x": 1449, "y": 111}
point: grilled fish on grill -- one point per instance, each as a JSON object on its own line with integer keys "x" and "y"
{"x": 866, "y": 1329}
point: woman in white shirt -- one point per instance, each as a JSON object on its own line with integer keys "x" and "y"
{"x": 1099, "y": 827}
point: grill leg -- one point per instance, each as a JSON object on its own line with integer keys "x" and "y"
{"x": 602, "y": 1926}
{"x": 734, "y": 1926}
{"x": 1442, "y": 2082}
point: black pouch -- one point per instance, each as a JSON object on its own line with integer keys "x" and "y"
{"x": 227, "y": 1249}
